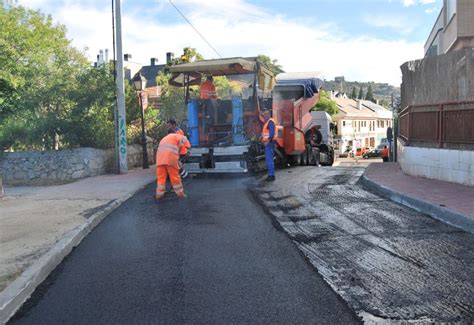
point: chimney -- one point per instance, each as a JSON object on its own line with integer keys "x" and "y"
{"x": 153, "y": 61}
{"x": 127, "y": 57}
{"x": 169, "y": 57}
{"x": 106, "y": 55}
{"x": 359, "y": 104}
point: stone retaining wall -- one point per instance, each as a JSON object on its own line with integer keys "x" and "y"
{"x": 63, "y": 166}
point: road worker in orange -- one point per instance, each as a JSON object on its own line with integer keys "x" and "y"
{"x": 385, "y": 154}
{"x": 208, "y": 97}
{"x": 167, "y": 163}
{"x": 207, "y": 90}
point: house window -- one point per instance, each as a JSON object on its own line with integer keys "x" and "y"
{"x": 343, "y": 123}
{"x": 450, "y": 9}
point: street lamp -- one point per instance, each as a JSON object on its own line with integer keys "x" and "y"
{"x": 139, "y": 83}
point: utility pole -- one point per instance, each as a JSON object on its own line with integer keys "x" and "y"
{"x": 121, "y": 128}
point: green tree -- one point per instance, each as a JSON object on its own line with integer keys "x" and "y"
{"x": 91, "y": 120}
{"x": 326, "y": 104}
{"x": 361, "y": 93}
{"x": 385, "y": 103}
{"x": 190, "y": 54}
{"x": 50, "y": 96}
{"x": 354, "y": 93}
{"x": 369, "y": 95}
{"x": 38, "y": 69}
{"x": 225, "y": 87}
{"x": 272, "y": 65}
{"x": 172, "y": 105}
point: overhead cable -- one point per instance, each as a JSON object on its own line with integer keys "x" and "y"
{"x": 187, "y": 20}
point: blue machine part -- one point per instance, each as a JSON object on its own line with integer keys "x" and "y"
{"x": 193, "y": 122}
{"x": 237, "y": 121}
{"x": 311, "y": 85}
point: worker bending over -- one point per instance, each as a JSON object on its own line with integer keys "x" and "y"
{"x": 167, "y": 163}
{"x": 268, "y": 138}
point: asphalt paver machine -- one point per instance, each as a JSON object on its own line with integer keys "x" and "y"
{"x": 225, "y": 133}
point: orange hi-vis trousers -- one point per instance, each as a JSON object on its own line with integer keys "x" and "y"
{"x": 162, "y": 173}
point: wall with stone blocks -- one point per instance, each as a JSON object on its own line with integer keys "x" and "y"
{"x": 455, "y": 166}
{"x": 62, "y": 166}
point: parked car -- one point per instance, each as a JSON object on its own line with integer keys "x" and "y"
{"x": 361, "y": 151}
{"x": 374, "y": 153}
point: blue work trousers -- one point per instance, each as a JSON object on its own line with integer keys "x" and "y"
{"x": 269, "y": 152}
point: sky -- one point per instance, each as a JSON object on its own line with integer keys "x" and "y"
{"x": 362, "y": 40}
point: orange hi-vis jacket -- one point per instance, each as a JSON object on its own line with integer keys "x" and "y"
{"x": 207, "y": 90}
{"x": 266, "y": 131}
{"x": 184, "y": 149}
{"x": 169, "y": 149}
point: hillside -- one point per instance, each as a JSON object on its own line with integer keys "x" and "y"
{"x": 382, "y": 91}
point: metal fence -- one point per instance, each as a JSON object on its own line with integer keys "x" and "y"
{"x": 443, "y": 123}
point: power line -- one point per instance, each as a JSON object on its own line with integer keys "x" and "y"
{"x": 187, "y": 20}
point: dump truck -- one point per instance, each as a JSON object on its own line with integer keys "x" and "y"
{"x": 304, "y": 136}
{"x": 225, "y": 134}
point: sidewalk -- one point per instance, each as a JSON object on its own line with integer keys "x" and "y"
{"x": 40, "y": 225}
{"x": 449, "y": 202}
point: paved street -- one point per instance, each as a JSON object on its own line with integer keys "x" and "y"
{"x": 214, "y": 258}
{"x": 387, "y": 261}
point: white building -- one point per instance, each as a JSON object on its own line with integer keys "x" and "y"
{"x": 360, "y": 124}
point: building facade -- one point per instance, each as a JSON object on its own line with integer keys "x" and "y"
{"x": 453, "y": 29}
{"x": 360, "y": 124}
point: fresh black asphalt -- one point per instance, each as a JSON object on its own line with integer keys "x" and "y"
{"x": 213, "y": 258}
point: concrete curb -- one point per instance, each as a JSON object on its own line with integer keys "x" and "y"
{"x": 443, "y": 214}
{"x": 13, "y": 296}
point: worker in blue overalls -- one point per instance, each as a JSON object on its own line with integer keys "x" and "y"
{"x": 268, "y": 138}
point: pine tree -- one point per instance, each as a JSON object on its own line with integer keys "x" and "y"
{"x": 361, "y": 94}
{"x": 354, "y": 93}
{"x": 369, "y": 95}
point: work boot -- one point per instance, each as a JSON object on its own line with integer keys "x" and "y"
{"x": 182, "y": 196}
{"x": 270, "y": 179}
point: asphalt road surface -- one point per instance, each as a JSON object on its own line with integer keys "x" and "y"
{"x": 213, "y": 258}
{"x": 390, "y": 263}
